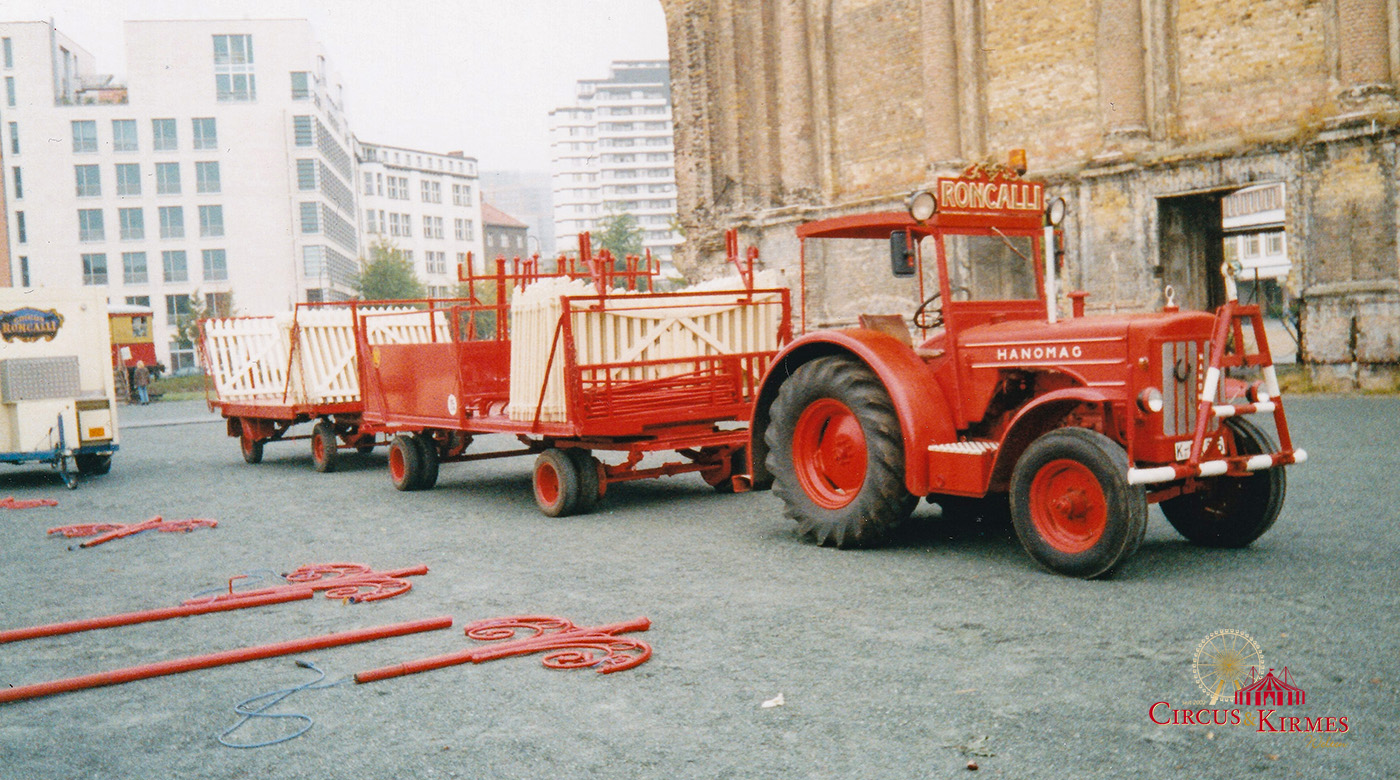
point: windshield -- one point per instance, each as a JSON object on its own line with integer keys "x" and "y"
{"x": 995, "y": 267}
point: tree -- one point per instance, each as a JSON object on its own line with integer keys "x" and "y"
{"x": 621, "y": 234}
{"x": 386, "y": 275}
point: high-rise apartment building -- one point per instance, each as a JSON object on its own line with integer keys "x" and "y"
{"x": 614, "y": 153}
{"x": 222, "y": 168}
{"x": 426, "y": 205}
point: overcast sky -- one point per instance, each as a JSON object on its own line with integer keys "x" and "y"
{"x": 476, "y": 75}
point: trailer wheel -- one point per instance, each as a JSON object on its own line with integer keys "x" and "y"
{"x": 1232, "y": 511}
{"x": 252, "y": 448}
{"x": 323, "y": 446}
{"x": 93, "y": 465}
{"x": 1072, "y": 506}
{"x": 557, "y": 481}
{"x": 364, "y": 443}
{"x": 590, "y": 490}
{"x": 405, "y": 462}
{"x": 428, "y": 449}
{"x": 835, "y": 451}
{"x": 738, "y": 459}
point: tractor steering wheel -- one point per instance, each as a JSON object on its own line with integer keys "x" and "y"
{"x": 930, "y": 317}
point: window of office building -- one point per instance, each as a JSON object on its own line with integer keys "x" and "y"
{"x": 211, "y": 221}
{"x": 301, "y": 85}
{"x": 134, "y": 268}
{"x": 301, "y": 131}
{"x": 206, "y": 133}
{"x": 164, "y": 135}
{"x": 23, "y": 234}
{"x": 215, "y": 265}
{"x": 306, "y": 174}
{"x": 90, "y": 226}
{"x": 84, "y": 136}
{"x": 172, "y": 222}
{"x": 233, "y": 68}
{"x": 133, "y": 224}
{"x": 206, "y": 175}
{"x": 175, "y": 265}
{"x": 89, "y": 181}
{"x": 10, "y": 91}
{"x": 18, "y": 180}
{"x": 124, "y": 135}
{"x": 310, "y": 218}
{"x": 167, "y": 178}
{"x": 94, "y": 269}
{"x": 128, "y": 179}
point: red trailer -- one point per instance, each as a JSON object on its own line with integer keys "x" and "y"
{"x": 269, "y": 374}
{"x": 573, "y": 368}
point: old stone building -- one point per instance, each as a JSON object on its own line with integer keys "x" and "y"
{"x": 1143, "y": 114}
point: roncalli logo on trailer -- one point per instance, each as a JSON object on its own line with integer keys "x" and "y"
{"x": 30, "y": 324}
{"x": 1227, "y": 668}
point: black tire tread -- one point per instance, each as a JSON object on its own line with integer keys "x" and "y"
{"x": 1207, "y": 517}
{"x": 883, "y": 502}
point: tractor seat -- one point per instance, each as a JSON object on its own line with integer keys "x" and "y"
{"x": 888, "y": 324}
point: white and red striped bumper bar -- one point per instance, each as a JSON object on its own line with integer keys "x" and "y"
{"x": 1215, "y": 468}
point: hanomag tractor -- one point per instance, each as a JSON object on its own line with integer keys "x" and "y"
{"x": 1079, "y": 422}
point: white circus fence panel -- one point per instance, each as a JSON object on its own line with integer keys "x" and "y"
{"x": 307, "y": 356}
{"x": 631, "y": 337}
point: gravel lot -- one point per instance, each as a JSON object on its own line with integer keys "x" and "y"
{"x": 947, "y": 647}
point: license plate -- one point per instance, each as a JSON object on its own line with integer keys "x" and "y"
{"x": 1183, "y": 448}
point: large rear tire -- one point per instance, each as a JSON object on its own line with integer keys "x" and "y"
{"x": 836, "y": 454}
{"x": 1232, "y": 511}
{"x": 1072, "y": 506}
{"x": 323, "y": 446}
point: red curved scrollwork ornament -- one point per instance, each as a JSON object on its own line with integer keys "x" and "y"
{"x": 567, "y": 646}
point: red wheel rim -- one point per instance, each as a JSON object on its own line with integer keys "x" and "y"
{"x": 318, "y": 449}
{"x": 547, "y": 484}
{"x": 828, "y": 453}
{"x": 397, "y": 467}
{"x": 247, "y": 444}
{"x": 1068, "y": 507}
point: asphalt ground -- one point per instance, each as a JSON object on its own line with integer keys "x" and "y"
{"x": 948, "y": 647}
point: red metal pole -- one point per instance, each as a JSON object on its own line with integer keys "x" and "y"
{"x": 151, "y": 615}
{"x": 126, "y": 530}
{"x": 221, "y": 659}
{"x": 478, "y": 655}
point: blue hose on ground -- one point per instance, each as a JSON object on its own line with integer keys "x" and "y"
{"x": 250, "y": 708}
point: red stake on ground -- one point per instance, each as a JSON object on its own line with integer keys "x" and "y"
{"x": 573, "y": 647}
{"x": 10, "y": 502}
{"x": 224, "y": 658}
{"x": 339, "y": 580}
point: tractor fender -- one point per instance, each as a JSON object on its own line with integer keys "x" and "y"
{"x": 914, "y": 391}
{"x": 1036, "y": 418}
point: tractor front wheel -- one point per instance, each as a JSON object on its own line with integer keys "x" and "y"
{"x": 1232, "y": 511}
{"x": 836, "y": 454}
{"x": 1072, "y": 506}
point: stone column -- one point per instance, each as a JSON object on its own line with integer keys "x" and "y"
{"x": 797, "y": 153}
{"x": 1363, "y": 42}
{"x": 1122, "y": 71}
{"x": 942, "y": 109}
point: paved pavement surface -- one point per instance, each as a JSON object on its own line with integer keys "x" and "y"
{"x": 949, "y": 646}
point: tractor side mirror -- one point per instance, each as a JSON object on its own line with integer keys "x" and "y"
{"x": 901, "y": 254}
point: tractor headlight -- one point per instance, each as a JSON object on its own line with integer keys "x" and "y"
{"x": 1150, "y": 400}
{"x": 922, "y": 205}
{"x": 1055, "y": 212}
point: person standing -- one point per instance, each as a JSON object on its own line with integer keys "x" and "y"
{"x": 141, "y": 379}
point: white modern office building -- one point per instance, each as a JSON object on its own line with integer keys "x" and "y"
{"x": 222, "y": 168}
{"x": 425, "y": 204}
{"x": 614, "y": 152}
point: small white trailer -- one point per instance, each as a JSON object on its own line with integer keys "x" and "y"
{"x": 57, "y": 392}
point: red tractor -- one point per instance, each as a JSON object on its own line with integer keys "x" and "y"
{"x": 1077, "y": 423}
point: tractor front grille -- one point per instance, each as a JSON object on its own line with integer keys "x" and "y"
{"x": 1184, "y": 366}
